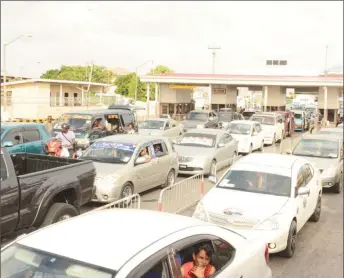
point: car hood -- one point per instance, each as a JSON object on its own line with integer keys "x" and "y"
{"x": 240, "y": 137}
{"x": 250, "y": 205}
{"x": 193, "y": 151}
{"x": 192, "y": 123}
{"x": 268, "y": 128}
{"x": 105, "y": 169}
{"x": 322, "y": 163}
{"x": 150, "y": 132}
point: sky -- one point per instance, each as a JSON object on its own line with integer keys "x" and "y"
{"x": 175, "y": 34}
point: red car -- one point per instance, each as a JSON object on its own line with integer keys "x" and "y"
{"x": 289, "y": 122}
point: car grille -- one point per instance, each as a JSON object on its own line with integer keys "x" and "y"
{"x": 228, "y": 221}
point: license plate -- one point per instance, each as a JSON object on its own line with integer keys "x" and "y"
{"x": 182, "y": 166}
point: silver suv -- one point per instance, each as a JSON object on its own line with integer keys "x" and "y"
{"x": 128, "y": 164}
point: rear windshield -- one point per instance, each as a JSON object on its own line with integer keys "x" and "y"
{"x": 19, "y": 261}
{"x": 197, "y": 116}
{"x": 256, "y": 182}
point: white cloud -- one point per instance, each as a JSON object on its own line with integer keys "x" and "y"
{"x": 176, "y": 34}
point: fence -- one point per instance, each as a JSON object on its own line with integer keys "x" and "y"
{"x": 182, "y": 195}
{"x": 130, "y": 202}
{"x": 225, "y": 163}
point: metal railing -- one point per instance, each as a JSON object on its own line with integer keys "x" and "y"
{"x": 182, "y": 195}
{"x": 130, "y": 202}
{"x": 225, "y": 164}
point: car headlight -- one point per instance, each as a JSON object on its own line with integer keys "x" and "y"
{"x": 200, "y": 212}
{"x": 268, "y": 224}
{"x": 108, "y": 180}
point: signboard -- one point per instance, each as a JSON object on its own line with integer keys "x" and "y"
{"x": 219, "y": 91}
{"x": 182, "y": 86}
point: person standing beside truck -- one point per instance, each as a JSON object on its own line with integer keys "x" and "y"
{"x": 67, "y": 138}
{"x": 49, "y": 125}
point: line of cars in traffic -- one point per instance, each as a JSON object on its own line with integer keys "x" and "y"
{"x": 274, "y": 189}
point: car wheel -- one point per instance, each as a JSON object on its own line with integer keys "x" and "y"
{"x": 250, "y": 149}
{"x": 316, "y": 214}
{"x": 337, "y": 188}
{"x": 261, "y": 147}
{"x": 59, "y": 212}
{"x": 291, "y": 243}
{"x": 127, "y": 190}
{"x": 212, "y": 171}
{"x": 170, "y": 180}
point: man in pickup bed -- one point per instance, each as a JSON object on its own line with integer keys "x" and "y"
{"x": 67, "y": 138}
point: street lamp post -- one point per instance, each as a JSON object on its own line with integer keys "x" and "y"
{"x": 214, "y": 48}
{"x": 136, "y": 77}
{"x": 4, "y": 66}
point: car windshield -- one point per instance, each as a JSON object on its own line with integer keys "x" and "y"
{"x": 316, "y": 148}
{"x": 256, "y": 182}
{"x": 76, "y": 121}
{"x": 198, "y": 139}
{"x": 197, "y": 116}
{"x": 18, "y": 261}
{"x": 264, "y": 120}
{"x": 152, "y": 125}
{"x": 109, "y": 152}
{"x": 235, "y": 128}
{"x": 226, "y": 117}
{"x": 297, "y": 116}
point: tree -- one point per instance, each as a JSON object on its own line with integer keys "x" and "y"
{"x": 80, "y": 73}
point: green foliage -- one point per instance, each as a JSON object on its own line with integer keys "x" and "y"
{"x": 126, "y": 85}
{"x": 80, "y": 73}
{"x": 160, "y": 69}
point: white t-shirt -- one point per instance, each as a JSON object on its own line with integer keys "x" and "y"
{"x": 63, "y": 137}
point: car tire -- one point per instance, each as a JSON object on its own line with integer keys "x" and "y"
{"x": 127, "y": 190}
{"x": 250, "y": 149}
{"x": 261, "y": 147}
{"x": 291, "y": 243}
{"x": 337, "y": 188}
{"x": 59, "y": 212}
{"x": 170, "y": 179}
{"x": 212, "y": 170}
{"x": 317, "y": 212}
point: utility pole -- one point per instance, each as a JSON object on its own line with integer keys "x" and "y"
{"x": 136, "y": 76}
{"x": 326, "y": 56}
{"x": 214, "y": 48}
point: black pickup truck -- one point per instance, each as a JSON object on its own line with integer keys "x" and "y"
{"x": 38, "y": 190}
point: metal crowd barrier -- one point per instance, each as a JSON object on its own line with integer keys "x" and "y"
{"x": 225, "y": 163}
{"x": 130, "y": 202}
{"x": 182, "y": 195}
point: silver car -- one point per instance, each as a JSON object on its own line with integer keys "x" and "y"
{"x": 200, "y": 149}
{"x": 326, "y": 152}
{"x": 128, "y": 164}
{"x": 161, "y": 127}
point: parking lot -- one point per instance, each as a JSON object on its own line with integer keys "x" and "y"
{"x": 320, "y": 245}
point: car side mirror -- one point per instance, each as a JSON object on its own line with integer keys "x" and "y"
{"x": 8, "y": 144}
{"x": 303, "y": 191}
{"x": 140, "y": 160}
{"x": 220, "y": 145}
{"x": 212, "y": 179}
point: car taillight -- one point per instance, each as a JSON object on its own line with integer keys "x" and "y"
{"x": 266, "y": 254}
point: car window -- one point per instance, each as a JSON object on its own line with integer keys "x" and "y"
{"x": 127, "y": 119}
{"x": 307, "y": 173}
{"x": 300, "y": 179}
{"x": 146, "y": 151}
{"x": 13, "y": 136}
{"x": 32, "y": 135}
{"x": 4, "y": 173}
{"x": 159, "y": 149}
{"x": 224, "y": 254}
{"x": 159, "y": 270}
{"x": 258, "y": 128}
{"x": 225, "y": 139}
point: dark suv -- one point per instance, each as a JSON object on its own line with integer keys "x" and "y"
{"x": 200, "y": 119}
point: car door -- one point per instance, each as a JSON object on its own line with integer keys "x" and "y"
{"x": 163, "y": 164}
{"x": 169, "y": 131}
{"x": 301, "y": 200}
{"x": 13, "y": 140}
{"x": 313, "y": 183}
{"x": 145, "y": 174}
{"x": 32, "y": 140}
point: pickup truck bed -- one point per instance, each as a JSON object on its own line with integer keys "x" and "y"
{"x": 38, "y": 190}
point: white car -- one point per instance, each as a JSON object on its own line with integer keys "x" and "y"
{"x": 270, "y": 196}
{"x": 165, "y": 242}
{"x": 161, "y": 127}
{"x": 272, "y": 125}
{"x": 249, "y": 135}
